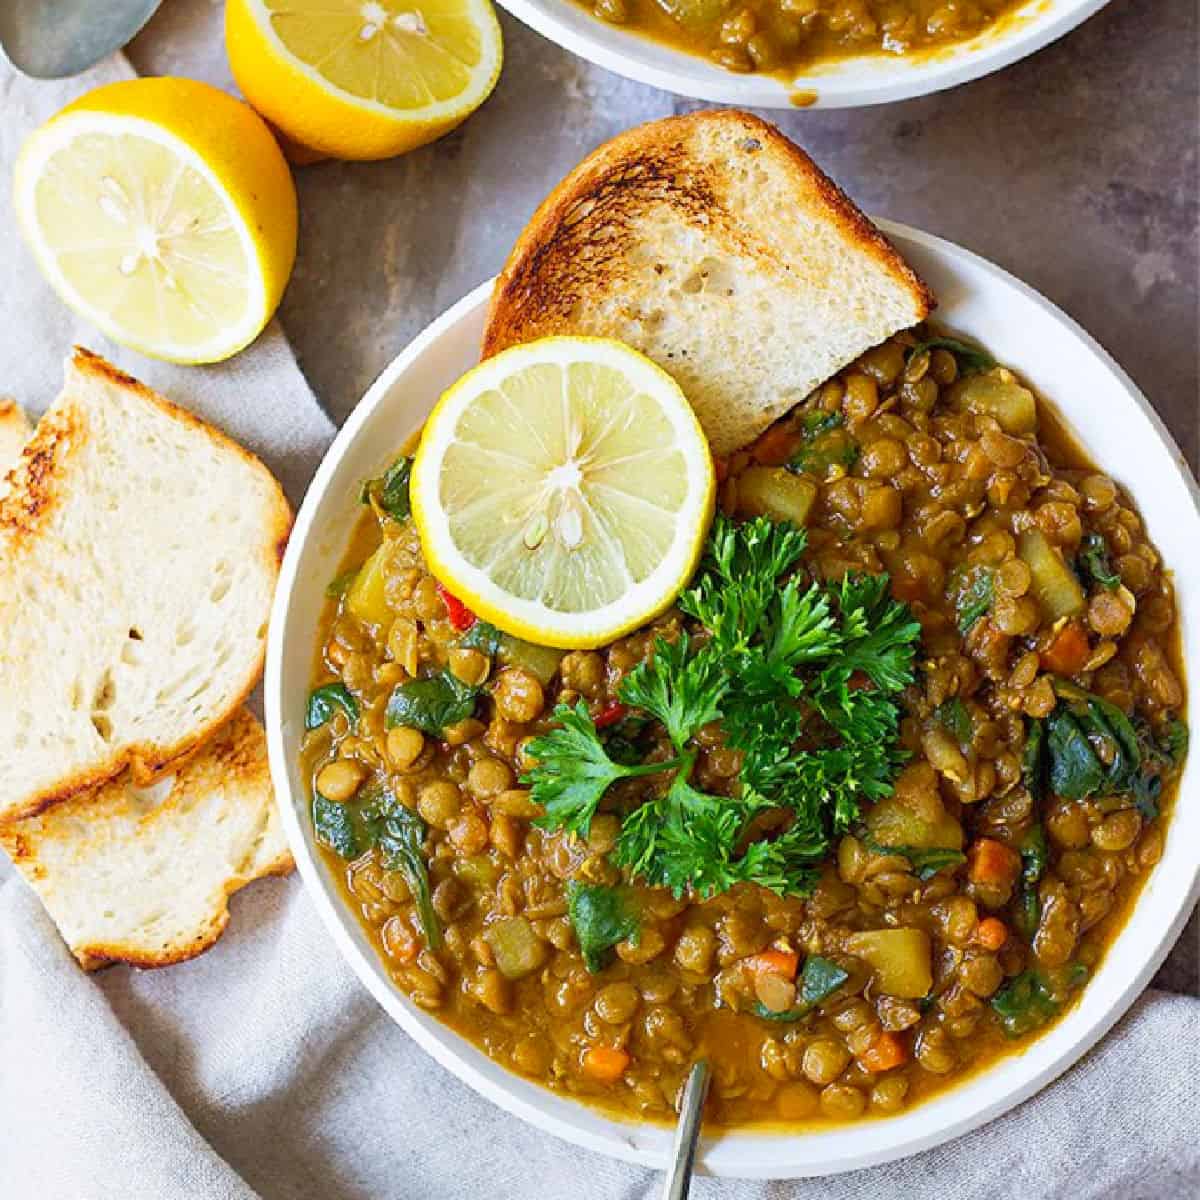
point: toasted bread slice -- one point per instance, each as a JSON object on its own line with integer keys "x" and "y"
{"x": 144, "y": 875}
{"x": 14, "y": 433}
{"x": 716, "y": 247}
{"x": 139, "y": 550}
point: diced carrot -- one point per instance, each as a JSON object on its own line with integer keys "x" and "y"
{"x": 990, "y": 861}
{"x": 605, "y": 1064}
{"x": 610, "y": 714}
{"x": 775, "y": 446}
{"x": 991, "y": 933}
{"x": 461, "y": 617}
{"x": 778, "y": 962}
{"x": 884, "y": 1053}
{"x": 1069, "y": 652}
{"x": 720, "y": 468}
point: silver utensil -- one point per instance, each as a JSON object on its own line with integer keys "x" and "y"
{"x": 687, "y": 1133}
{"x": 51, "y": 39}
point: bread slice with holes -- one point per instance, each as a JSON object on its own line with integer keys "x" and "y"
{"x": 139, "y": 549}
{"x": 14, "y": 433}
{"x": 144, "y": 875}
{"x": 716, "y": 247}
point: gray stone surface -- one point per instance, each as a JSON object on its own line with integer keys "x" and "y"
{"x": 1075, "y": 169}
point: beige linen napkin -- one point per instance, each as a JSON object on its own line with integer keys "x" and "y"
{"x": 264, "y": 1069}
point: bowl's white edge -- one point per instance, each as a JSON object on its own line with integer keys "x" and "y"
{"x": 851, "y": 84}
{"x": 731, "y": 1155}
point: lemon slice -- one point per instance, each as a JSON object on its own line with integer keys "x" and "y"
{"x": 162, "y": 211}
{"x": 364, "y": 79}
{"x": 563, "y": 489}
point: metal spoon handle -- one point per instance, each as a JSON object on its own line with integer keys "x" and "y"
{"x": 687, "y": 1133}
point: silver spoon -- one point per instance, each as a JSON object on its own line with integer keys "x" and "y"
{"x": 687, "y": 1132}
{"x": 51, "y": 39}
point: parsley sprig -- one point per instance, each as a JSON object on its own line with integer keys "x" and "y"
{"x": 802, "y": 676}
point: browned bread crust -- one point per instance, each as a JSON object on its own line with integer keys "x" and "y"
{"x": 37, "y": 484}
{"x": 575, "y": 242}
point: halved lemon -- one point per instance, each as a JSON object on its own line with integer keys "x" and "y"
{"x": 364, "y": 79}
{"x": 161, "y": 210}
{"x": 563, "y": 489}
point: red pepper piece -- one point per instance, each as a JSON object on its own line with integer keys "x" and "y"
{"x": 461, "y": 617}
{"x": 610, "y": 714}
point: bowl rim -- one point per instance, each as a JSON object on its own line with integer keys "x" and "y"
{"x": 735, "y": 1153}
{"x": 847, "y": 83}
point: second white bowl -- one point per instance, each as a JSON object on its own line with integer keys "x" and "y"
{"x": 847, "y": 83}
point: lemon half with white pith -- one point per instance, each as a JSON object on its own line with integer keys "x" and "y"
{"x": 364, "y": 79}
{"x": 162, "y": 211}
{"x": 563, "y": 490}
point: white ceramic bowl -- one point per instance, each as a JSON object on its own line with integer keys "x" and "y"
{"x": 1122, "y": 433}
{"x": 875, "y": 79}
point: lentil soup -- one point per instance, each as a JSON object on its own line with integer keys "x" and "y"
{"x": 785, "y": 35}
{"x": 951, "y": 916}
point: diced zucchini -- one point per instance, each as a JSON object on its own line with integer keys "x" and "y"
{"x": 366, "y": 598}
{"x": 480, "y": 871}
{"x": 517, "y": 949}
{"x": 890, "y": 823}
{"x": 540, "y": 661}
{"x": 777, "y": 493}
{"x": 1054, "y": 584}
{"x": 694, "y": 14}
{"x": 900, "y": 958}
{"x": 1011, "y": 404}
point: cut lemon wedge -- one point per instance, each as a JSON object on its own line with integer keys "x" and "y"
{"x": 364, "y": 79}
{"x": 562, "y": 490}
{"x": 162, "y": 211}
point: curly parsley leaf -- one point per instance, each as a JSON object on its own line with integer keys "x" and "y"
{"x": 573, "y": 771}
{"x": 879, "y": 634}
{"x": 684, "y": 692}
{"x": 802, "y": 678}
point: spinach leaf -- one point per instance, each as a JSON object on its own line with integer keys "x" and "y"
{"x": 820, "y": 978}
{"x": 1035, "y": 854}
{"x": 1075, "y": 770}
{"x": 1174, "y": 741}
{"x": 970, "y": 358}
{"x": 826, "y": 444}
{"x": 973, "y": 598}
{"x": 1094, "y": 564}
{"x": 333, "y": 825}
{"x": 339, "y": 585}
{"x": 400, "y": 835}
{"x": 1094, "y": 749}
{"x": 955, "y": 717}
{"x": 1027, "y": 912}
{"x": 390, "y": 490}
{"x": 926, "y": 861}
{"x": 1034, "y": 997}
{"x": 601, "y": 917}
{"x": 324, "y": 700}
{"x": 482, "y": 636}
{"x": 431, "y": 704}
{"x": 1033, "y": 760}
